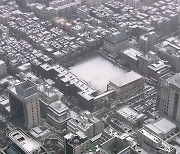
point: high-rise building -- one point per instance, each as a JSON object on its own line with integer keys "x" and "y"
{"x": 169, "y": 97}
{"x": 24, "y": 104}
{"x": 21, "y": 143}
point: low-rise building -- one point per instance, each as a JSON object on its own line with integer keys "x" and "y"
{"x": 20, "y": 142}
{"x": 163, "y": 128}
{"x": 130, "y": 117}
{"x": 147, "y": 41}
{"x": 85, "y": 122}
{"x": 168, "y": 50}
{"x": 58, "y": 113}
{"x": 158, "y": 70}
{"x": 130, "y": 56}
{"x": 118, "y": 145}
{"x": 154, "y": 144}
{"x": 116, "y": 42}
{"x": 76, "y": 143}
{"x": 146, "y": 60}
{"x": 126, "y": 85}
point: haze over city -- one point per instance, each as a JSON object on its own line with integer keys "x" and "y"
{"x": 89, "y": 76}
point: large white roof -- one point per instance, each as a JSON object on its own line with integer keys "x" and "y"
{"x": 162, "y": 126}
{"x": 125, "y": 79}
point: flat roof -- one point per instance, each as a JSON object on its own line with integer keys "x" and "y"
{"x": 161, "y": 126}
{"x": 129, "y": 113}
{"x": 125, "y": 79}
{"x": 58, "y": 107}
{"x": 26, "y": 143}
{"x": 174, "y": 80}
{"x": 132, "y": 53}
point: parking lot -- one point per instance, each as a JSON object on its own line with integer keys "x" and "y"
{"x": 120, "y": 126}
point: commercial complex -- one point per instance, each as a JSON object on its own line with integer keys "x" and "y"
{"x": 163, "y": 128}
{"x": 127, "y": 84}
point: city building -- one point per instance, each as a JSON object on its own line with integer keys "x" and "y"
{"x": 118, "y": 145}
{"x": 116, "y": 42}
{"x": 126, "y": 85}
{"x": 76, "y": 143}
{"x": 154, "y": 144}
{"x": 130, "y": 56}
{"x": 148, "y": 2}
{"x": 43, "y": 12}
{"x": 40, "y": 132}
{"x": 130, "y": 117}
{"x": 48, "y": 96}
{"x": 163, "y": 128}
{"x": 95, "y": 3}
{"x": 147, "y": 41}
{"x": 22, "y": 143}
{"x": 65, "y": 8}
{"x": 136, "y": 4}
{"x": 24, "y": 104}
{"x": 168, "y": 97}
{"x": 3, "y": 69}
{"x": 159, "y": 70}
{"x": 136, "y": 149}
{"x": 86, "y": 123}
{"x": 58, "y": 113}
{"x": 168, "y": 50}
{"x": 146, "y": 60}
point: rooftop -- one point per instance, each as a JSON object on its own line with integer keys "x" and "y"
{"x": 116, "y": 37}
{"x": 58, "y": 106}
{"x": 129, "y": 113}
{"x": 162, "y": 126}
{"x": 76, "y": 139}
{"x": 132, "y": 53}
{"x": 114, "y": 146}
{"x": 160, "y": 144}
{"x": 26, "y": 143}
{"x": 125, "y": 79}
{"x": 24, "y": 89}
{"x": 174, "y": 80}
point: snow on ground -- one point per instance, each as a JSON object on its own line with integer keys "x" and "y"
{"x": 96, "y": 71}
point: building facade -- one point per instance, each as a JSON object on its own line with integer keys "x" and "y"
{"x": 153, "y": 144}
{"x": 76, "y": 143}
{"x": 126, "y": 85}
{"x": 116, "y": 42}
{"x": 24, "y": 104}
{"x": 168, "y": 98}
